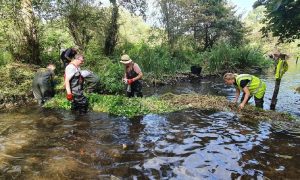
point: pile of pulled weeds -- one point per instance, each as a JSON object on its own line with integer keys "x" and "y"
{"x": 123, "y": 106}
{"x": 220, "y": 103}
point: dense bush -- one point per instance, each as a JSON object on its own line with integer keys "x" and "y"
{"x": 16, "y": 79}
{"x": 109, "y": 70}
{"x": 158, "y": 60}
{"x": 224, "y": 57}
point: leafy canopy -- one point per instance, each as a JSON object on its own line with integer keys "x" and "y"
{"x": 282, "y": 19}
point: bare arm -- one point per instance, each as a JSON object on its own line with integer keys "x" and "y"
{"x": 237, "y": 95}
{"x": 67, "y": 83}
{"x": 247, "y": 95}
{"x": 140, "y": 75}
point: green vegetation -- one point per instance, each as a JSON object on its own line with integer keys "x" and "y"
{"x": 269, "y": 43}
{"x": 282, "y": 19}
{"x": 123, "y": 106}
{"x": 224, "y": 57}
{"x": 118, "y": 105}
{"x": 15, "y": 79}
{"x": 204, "y": 33}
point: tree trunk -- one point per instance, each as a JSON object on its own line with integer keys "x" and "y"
{"x": 206, "y": 45}
{"x": 111, "y": 39}
{"x": 30, "y": 32}
{"x": 275, "y": 93}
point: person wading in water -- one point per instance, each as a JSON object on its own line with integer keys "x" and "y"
{"x": 250, "y": 86}
{"x": 74, "y": 85}
{"x": 132, "y": 77}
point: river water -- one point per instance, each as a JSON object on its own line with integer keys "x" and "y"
{"x": 36, "y": 143}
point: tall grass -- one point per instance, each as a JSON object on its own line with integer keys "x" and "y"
{"x": 224, "y": 57}
{"x": 158, "y": 60}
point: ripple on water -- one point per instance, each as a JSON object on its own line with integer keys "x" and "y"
{"x": 181, "y": 145}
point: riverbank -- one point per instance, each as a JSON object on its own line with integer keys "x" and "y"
{"x": 16, "y": 82}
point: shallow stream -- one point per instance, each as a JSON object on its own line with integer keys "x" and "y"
{"x": 36, "y": 143}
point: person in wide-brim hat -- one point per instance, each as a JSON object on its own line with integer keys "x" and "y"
{"x": 132, "y": 77}
{"x": 125, "y": 59}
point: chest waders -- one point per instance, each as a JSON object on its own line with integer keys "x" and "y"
{"x": 256, "y": 87}
{"x": 80, "y": 102}
{"x": 92, "y": 83}
{"x": 136, "y": 86}
{"x": 43, "y": 85}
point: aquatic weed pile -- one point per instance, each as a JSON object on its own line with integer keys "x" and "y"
{"x": 203, "y": 102}
{"x": 220, "y": 103}
{"x": 251, "y": 114}
{"x": 118, "y": 105}
{"x": 123, "y": 106}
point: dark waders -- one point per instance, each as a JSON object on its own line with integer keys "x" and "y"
{"x": 80, "y": 102}
{"x": 43, "y": 86}
{"x": 258, "y": 102}
{"x": 92, "y": 83}
{"x": 136, "y": 86}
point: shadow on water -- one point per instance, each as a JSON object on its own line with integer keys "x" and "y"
{"x": 44, "y": 144}
{"x": 188, "y": 144}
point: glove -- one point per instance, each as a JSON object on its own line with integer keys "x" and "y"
{"x": 130, "y": 81}
{"x": 70, "y": 97}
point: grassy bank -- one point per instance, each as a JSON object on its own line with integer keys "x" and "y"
{"x": 16, "y": 82}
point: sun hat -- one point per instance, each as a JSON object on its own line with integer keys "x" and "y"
{"x": 125, "y": 59}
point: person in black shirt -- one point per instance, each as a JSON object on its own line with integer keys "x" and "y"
{"x": 67, "y": 55}
{"x": 243, "y": 84}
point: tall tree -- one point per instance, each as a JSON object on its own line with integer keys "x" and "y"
{"x": 22, "y": 30}
{"x": 137, "y": 7}
{"x": 80, "y": 18}
{"x": 111, "y": 38}
{"x": 214, "y": 20}
{"x": 282, "y": 19}
{"x": 207, "y": 21}
{"x": 173, "y": 19}
{"x": 30, "y": 31}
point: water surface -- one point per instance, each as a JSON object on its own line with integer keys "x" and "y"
{"x": 44, "y": 144}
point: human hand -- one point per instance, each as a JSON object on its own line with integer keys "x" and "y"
{"x": 130, "y": 81}
{"x": 69, "y": 97}
{"x": 241, "y": 106}
{"x": 125, "y": 80}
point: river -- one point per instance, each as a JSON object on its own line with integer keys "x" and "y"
{"x": 37, "y": 143}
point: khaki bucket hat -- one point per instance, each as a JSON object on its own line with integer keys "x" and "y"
{"x": 125, "y": 59}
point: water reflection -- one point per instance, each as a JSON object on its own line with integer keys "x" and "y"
{"x": 182, "y": 145}
{"x": 43, "y": 144}
{"x": 288, "y": 98}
